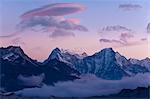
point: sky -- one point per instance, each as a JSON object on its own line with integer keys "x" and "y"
{"x": 39, "y": 26}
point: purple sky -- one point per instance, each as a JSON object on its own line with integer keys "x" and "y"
{"x": 81, "y": 26}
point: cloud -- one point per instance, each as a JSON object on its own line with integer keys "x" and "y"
{"x": 9, "y": 35}
{"x": 144, "y": 39}
{"x": 17, "y": 41}
{"x": 61, "y": 33}
{"x": 115, "y": 28}
{"x": 111, "y": 41}
{"x": 52, "y": 25}
{"x": 71, "y": 25}
{"x": 74, "y": 20}
{"x": 58, "y": 9}
{"x": 125, "y": 37}
{"x": 88, "y": 85}
{"x": 51, "y": 19}
{"x": 130, "y": 7}
{"x": 148, "y": 28}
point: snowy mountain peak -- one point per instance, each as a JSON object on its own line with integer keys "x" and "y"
{"x": 11, "y": 53}
{"x": 105, "y": 52}
{"x": 14, "y": 49}
{"x": 84, "y": 54}
{"x": 134, "y": 61}
{"x": 64, "y": 56}
{"x": 108, "y": 50}
{"x": 55, "y": 54}
{"x": 16, "y": 55}
{"x": 56, "y": 50}
{"x": 121, "y": 60}
{"x": 147, "y": 59}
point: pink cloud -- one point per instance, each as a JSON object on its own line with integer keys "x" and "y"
{"x": 58, "y": 9}
{"x": 9, "y": 35}
{"x": 74, "y": 20}
{"x": 61, "y": 33}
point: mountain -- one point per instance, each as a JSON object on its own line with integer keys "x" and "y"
{"x": 139, "y": 92}
{"x": 128, "y": 66}
{"x": 108, "y": 64}
{"x": 58, "y": 71}
{"x": 144, "y": 62}
{"x": 15, "y": 62}
{"x": 61, "y": 65}
{"x": 21, "y": 71}
{"x": 65, "y": 56}
{"x": 103, "y": 64}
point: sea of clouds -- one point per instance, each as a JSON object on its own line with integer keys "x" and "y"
{"x": 88, "y": 85}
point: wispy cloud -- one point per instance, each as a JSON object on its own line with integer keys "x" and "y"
{"x": 115, "y": 28}
{"x": 124, "y": 39}
{"x": 9, "y": 35}
{"x": 144, "y": 39}
{"x": 61, "y": 33}
{"x": 17, "y": 41}
{"x": 148, "y": 28}
{"x": 111, "y": 41}
{"x": 130, "y": 7}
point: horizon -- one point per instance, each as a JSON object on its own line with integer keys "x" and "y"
{"x": 40, "y": 26}
{"x": 73, "y": 53}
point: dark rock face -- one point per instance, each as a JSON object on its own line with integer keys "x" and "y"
{"x": 58, "y": 71}
{"x": 140, "y": 92}
{"x": 14, "y": 63}
{"x": 103, "y": 64}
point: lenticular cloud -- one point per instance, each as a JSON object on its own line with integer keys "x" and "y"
{"x": 58, "y": 9}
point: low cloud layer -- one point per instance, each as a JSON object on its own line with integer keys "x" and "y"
{"x": 130, "y": 7}
{"x": 88, "y": 85}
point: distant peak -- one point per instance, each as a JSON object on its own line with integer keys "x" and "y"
{"x": 107, "y": 50}
{"x": 11, "y": 47}
{"x": 57, "y": 49}
{"x": 55, "y": 54}
{"x": 84, "y": 54}
{"x": 16, "y": 49}
{"x": 147, "y": 59}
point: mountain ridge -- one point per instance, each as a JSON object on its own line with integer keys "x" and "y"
{"x": 18, "y": 68}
